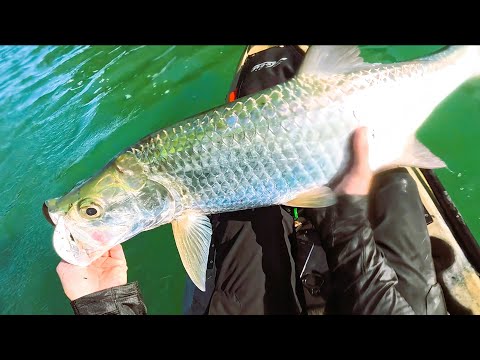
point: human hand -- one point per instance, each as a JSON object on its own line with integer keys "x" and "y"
{"x": 358, "y": 177}
{"x": 107, "y": 271}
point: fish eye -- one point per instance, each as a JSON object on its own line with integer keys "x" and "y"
{"x": 90, "y": 211}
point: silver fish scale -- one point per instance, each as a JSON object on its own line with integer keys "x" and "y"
{"x": 265, "y": 149}
{"x": 253, "y": 152}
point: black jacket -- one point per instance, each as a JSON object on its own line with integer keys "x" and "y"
{"x": 363, "y": 282}
{"x": 119, "y": 300}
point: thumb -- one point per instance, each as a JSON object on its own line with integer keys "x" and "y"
{"x": 356, "y": 180}
{"x": 360, "y": 162}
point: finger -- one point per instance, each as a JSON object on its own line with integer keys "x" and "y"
{"x": 61, "y": 267}
{"x": 117, "y": 253}
{"x": 360, "y": 149}
{"x": 101, "y": 259}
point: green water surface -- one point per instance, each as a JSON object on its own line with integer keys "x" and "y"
{"x": 65, "y": 111}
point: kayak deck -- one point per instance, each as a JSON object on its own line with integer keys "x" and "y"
{"x": 458, "y": 278}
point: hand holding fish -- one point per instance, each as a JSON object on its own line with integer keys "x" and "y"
{"x": 107, "y": 271}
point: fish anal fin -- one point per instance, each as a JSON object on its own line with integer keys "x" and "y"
{"x": 316, "y": 197}
{"x": 415, "y": 154}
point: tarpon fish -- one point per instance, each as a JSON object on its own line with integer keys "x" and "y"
{"x": 284, "y": 145}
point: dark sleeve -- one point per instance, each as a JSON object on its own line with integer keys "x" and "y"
{"x": 362, "y": 281}
{"x": 119, "y": 300}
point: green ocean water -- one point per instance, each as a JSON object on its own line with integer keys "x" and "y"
{"x": 65, "y": 111}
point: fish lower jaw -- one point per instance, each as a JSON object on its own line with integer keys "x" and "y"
{"x": 72, "y": 250}
{"x": 54, "y": 217}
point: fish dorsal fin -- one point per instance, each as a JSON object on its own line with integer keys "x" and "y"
{"x": 328, "y": 60}
{"x": 313, "y": 198}
{"x": 193, "y": 233}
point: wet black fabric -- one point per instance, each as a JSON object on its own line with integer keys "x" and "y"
{"x": 119, "y": 300}
{"x": 253, "y": 270}
{"x": 255, "y": 273}
{"x": 312, "y": 267}
{"x": 379, "y": 251}
{"x": 397, "y": 215}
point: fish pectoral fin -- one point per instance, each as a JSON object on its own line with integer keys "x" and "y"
{"x": 193, "y": 233}
{"x": 325, "y": 61}
{"x": 314, "y": 198}
{"x": 415, "y": 154}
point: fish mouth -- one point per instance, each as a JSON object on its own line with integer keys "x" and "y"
{"x": 66, "y": 246}
{"x": 72, "y": 250}
{"x": 49, "y": 213}
{"x": 51, "y": 218}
